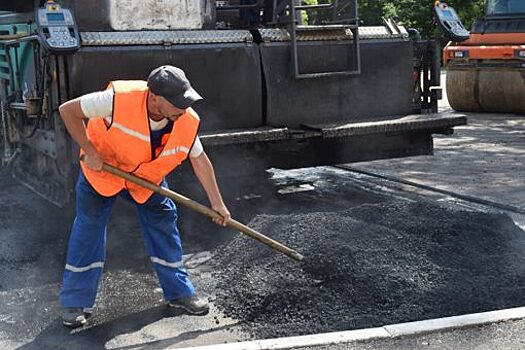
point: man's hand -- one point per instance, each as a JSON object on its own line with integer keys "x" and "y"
{"x": 93, "y": 160}
{"x": 226, "y": 216}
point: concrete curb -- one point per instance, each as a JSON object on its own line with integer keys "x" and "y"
{"x": 389, "y": 331}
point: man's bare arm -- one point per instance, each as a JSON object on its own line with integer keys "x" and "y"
{"x": 73, "y": 118}
{"x": 204, "y": 171}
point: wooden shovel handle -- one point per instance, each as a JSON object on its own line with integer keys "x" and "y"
{"x": 180, "y": 199}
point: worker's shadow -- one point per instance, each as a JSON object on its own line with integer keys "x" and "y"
{"x": 58, "y": 337}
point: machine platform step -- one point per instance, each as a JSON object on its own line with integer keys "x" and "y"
{"x": 437, "y": 122}
{"x": 433, "y": 123}
{"x": 262, "y": 134}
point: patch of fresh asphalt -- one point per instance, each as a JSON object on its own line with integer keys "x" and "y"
{"x": 371, "y": 265}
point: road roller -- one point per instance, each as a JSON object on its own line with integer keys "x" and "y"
{"x": 486, "y": 69}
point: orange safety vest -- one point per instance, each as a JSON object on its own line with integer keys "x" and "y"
{"x": 125, "y": 143}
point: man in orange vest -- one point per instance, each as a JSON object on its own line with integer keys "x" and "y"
{"x": 148, "y": 129}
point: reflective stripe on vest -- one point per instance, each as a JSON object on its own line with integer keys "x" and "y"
{"x": 126, "y": 143}
{"x": 132, "y": 132}
{"x": 172, "y": 151}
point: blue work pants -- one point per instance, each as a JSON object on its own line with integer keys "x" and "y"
{"x": 87, "y": 245}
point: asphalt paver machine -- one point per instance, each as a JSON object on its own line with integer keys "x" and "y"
{"x": 486, "y": 70}
{"x": 286, "y": 84}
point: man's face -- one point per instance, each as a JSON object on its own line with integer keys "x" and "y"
{"x": 159, "y": 108}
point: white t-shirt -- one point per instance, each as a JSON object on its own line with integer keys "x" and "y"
{"x": 100, "y": 105}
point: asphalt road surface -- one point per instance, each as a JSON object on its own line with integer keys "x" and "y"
{"x": 376, "y": 255}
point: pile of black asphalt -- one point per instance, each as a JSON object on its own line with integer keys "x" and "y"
{"x": 371, "y": 265}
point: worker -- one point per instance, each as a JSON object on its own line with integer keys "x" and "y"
{"x": 147, "y": 128}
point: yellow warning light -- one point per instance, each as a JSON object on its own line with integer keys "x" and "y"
{"x": 51, "y": 6}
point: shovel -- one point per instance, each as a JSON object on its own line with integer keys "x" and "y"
{"x": 180, "y": 199}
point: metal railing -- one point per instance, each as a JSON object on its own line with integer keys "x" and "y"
{"x": 337, "y": 20}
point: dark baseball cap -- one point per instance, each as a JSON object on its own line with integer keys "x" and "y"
{"x": 171, "y": 83}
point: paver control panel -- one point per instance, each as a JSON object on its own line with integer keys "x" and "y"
{"x": 57, "y": 29}
{"x": 449, "y": 21}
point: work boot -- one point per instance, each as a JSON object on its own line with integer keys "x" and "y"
{"x": 74, "y": 317}
{"x": 88, "y": 311}
{"x": 192, "y": 304}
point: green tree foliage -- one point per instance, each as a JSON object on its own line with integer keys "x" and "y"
{"x": 304, "y": 14}
{"x": 417, "y": 13}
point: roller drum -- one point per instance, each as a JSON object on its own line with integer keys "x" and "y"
{"x": 499, "y": 90}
